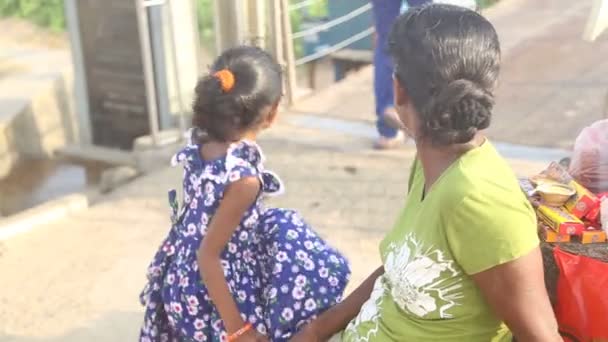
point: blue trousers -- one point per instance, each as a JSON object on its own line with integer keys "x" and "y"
{"x": 385, "y": 14}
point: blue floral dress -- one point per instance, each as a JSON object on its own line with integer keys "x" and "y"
{"x": 280, "y": 272}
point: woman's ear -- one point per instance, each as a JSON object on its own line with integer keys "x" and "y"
{"x": 401, "y": 97}
{"x": 272, "y": 115}
{"x": 405, "y": 109}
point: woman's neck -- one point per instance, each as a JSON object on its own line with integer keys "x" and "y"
{"x": 435, "y": 160}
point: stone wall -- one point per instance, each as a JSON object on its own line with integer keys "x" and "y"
{"x": 36, "y": 108}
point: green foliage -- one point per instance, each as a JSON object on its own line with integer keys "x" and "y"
{"x": 45, "y": 13}
{"x": 486, "y": 3}
{"x": 204, "y": 12}
{"x": 317, "y": 9}
{"x": 204, "y": 9}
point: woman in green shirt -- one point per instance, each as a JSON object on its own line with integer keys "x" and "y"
{"x": 462, "y": 264}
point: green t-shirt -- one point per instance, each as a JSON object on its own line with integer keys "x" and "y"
{"x": 473, "y": 218}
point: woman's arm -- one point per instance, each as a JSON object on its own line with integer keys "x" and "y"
{"x": 238, "y": 198}
{"x": 516, "y": 291}
{"x": 337, "y": 318}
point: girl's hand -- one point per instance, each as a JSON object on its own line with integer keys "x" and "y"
{"x": 261, "y": 338}
{"x": 253, "y": 336}
{"x": 307, "y": 334}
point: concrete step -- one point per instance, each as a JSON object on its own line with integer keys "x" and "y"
{"x": 36, "y": 103}
{"x": 97, "y": 154}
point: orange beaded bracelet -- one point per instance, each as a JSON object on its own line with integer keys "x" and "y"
{"x": 240, "y": 332}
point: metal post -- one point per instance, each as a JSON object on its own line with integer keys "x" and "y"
{"x": 256, "y": 23}
{"x": 276, "y": 31}
{"x": 197, "y": 37}
{"x": 178, "y": 86}
{"x": 239, "y": 11}
{"x": 156, "y": 20}
{"x": 148, "y": 65}
{"x": 289, "y": 53}
{"x": 80, "y": 83}
{"x": 229, "y": 23}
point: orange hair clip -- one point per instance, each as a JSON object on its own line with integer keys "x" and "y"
{"x": 226, "y": 78}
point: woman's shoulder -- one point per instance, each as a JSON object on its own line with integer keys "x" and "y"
{"x": 486, "y": 179}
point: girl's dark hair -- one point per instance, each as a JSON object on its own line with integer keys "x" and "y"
{"x": 447, "y": 58}
{"x": 221, "y": 113}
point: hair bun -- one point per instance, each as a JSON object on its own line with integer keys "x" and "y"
{"x": 225, "y": 110}
{"x": 458, "y": 111}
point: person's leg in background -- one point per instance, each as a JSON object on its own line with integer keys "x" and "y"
{"x": 414, "y": 3}
{"x": 385, "y": 14}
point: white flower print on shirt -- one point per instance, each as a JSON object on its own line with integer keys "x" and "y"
{"x": 204, "y": 220}
{"x": 370, "y": 313}
{"x": 301, "y": 255}
{"x": 193, "y": 310}
{"x": 192, "y": 300}
{"x": 308, "y": 245}
{"x": 281, "y": 256}
{"x": 417, "y": 278}
{"x": 191, "y": 229}
{"x": 310, "y": 304}
{"x": 300, "y": 281}
{"x": 292, "y": 234}
{"x": 309, "y": 265}
{"x": 298, "y": 293}
{"x": 278, "y": 268}
{"x": 209, "y": 188}
{"x": 287, "y": 314}
{"x": 199, "y": 336}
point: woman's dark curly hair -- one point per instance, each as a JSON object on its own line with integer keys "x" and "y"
{"x": 447, "y": 58}
{"x": 222, "y": 113}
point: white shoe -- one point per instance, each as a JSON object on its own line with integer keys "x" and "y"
{"x": 384, "y": 143}
{"x": 391, "y": 119}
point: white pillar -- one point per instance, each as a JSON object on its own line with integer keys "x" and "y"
{"x": 598, "y": 20}
{"x": 183, "y": 52}
{"x": 230, "y": 23}
{"x": 80, "y": 83}
{"x": 257, "y": 19}
{"x": 290, "y": 61}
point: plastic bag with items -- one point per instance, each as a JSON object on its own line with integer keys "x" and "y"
{"x": 582, "y": 304}
{"x": 589, "y": 165}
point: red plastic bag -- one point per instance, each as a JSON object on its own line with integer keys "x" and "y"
{"x": 582, "y": 303}
{"x": 589, "y": 164}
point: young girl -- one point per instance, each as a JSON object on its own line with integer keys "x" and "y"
{"x": 230, "y": 268}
